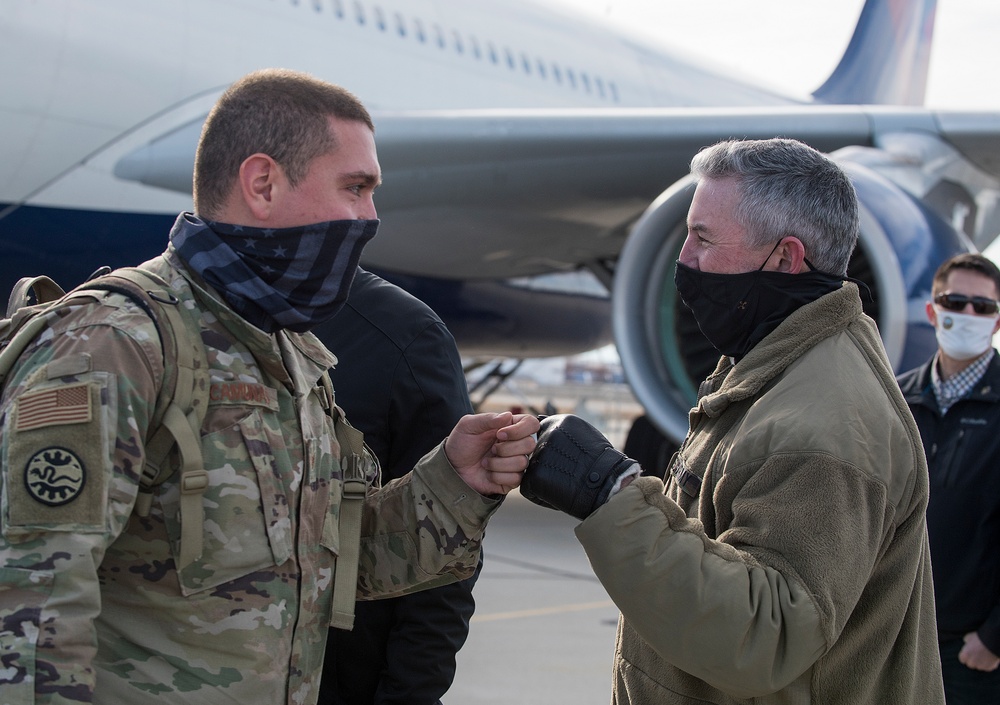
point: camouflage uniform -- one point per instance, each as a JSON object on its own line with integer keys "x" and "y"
{"x": 90, "y": 593}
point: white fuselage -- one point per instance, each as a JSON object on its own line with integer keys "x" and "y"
{"x": 97, "y": 78}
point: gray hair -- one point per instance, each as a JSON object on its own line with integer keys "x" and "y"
{"x": 788, "y": 188}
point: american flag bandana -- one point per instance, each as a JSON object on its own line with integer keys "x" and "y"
{"x": 286, "y": 278}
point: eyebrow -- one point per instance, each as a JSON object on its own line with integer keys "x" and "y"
{"x": 367, "y": 178}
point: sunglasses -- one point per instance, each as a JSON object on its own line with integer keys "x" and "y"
{"x": 957, "y": 302}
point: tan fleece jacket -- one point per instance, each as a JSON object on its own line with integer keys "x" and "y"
{"x": 786, "y": 559}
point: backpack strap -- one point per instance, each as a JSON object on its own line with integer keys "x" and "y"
{"x": 22, "y": 322}
{"x": 179, "y": 415}
{"x": 43, "y": 289}
{"x": 25, "y": 320}
{"x": 354, "y": 489}
{"x": 183, "y": 399}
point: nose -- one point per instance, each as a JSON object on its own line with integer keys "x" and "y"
{"x": 369, "y": 211}
{"x": 686, "y": 256}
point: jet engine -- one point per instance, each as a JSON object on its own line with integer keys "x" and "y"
{"x": 903, "y": 239}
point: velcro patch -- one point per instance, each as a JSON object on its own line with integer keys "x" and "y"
{"x": 57, "y": 406}
{"x": 56, "y": 473}
{"x": 244, "y": 394}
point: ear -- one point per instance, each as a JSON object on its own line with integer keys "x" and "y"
{"x": 260, "y": 176}
{"x": 790, "y": 255}
{"x": 932, "y": 314}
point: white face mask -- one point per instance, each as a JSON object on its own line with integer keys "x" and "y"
{"x": 963, "y": 336}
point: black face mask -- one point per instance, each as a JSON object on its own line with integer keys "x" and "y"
{"x": 737, "y": 311}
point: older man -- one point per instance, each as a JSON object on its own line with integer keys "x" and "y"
{"x": 785, "y": 560}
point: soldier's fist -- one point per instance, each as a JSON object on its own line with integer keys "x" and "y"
{"x": 574, "y": 467}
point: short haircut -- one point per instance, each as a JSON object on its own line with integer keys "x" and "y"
{"x": 970, "y": 261}
{"x": 283, "y": 114}
{"x": 788, "y": 188}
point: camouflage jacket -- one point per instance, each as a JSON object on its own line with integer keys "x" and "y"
{"x": 92, "y": 607}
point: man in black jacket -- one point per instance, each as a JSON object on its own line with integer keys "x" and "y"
{"x": 955, "y": 399}
{"x": 400, "y": 380}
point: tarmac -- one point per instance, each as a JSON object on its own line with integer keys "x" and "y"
{"x": 544, "y": 628}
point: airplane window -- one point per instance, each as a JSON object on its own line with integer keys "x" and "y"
{"x": 493, "y": 53}
{"x": 526, "y": 63}
{"x": 318, "y": 5}
{"x": 600, "y": 86}
{"x": 418, "y": 30}
{"x": 614, "y": 91}
{"x": 585, "y": 80}
{"x": 474, "y": 43}
{"x": 511, "y": 62}
{"x": 338, "y": 9}
{"x": 571, "y": 78}
{"x": 379, "y": 19}
{"x": 459, "y": 47}
{"x": 556, "y": 73}
{"x": 359, "y": 12}
{"x": 440, "y": 36}
{"x": 400, "y": 25}
{"x": 541, "y": 68}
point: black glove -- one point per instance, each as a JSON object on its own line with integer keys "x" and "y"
{"x": 573, "y": 467}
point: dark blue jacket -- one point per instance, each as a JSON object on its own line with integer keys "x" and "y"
{"x": 963, "y": 514}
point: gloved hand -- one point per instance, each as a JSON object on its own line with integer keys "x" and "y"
{"x": 574, "y": 467}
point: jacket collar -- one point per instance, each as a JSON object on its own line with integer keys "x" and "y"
{"x": 826, "y": 316}
{"x": 266, "y": 348}
{"x": 918, "y": 389}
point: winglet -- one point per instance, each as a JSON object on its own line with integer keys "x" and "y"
{"x": 887, "y": 59}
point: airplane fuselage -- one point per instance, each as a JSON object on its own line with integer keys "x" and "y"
{"x": 100, "y": 75}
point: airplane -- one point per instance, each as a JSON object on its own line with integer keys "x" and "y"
{"x": 535, "y": 163}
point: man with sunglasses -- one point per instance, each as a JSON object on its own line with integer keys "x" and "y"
{"x": 955, "y": 399}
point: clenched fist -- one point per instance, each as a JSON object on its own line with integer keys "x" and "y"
{"x": 574, "y": 467}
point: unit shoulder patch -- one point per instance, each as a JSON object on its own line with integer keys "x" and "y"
{"x": 54, "y": 476}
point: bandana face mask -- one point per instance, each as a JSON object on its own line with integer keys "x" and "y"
{"x": 963, "y": 336}
{"x": 289, "y": 278}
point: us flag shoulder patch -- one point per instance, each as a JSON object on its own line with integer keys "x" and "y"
{"x": 57, "y": 406}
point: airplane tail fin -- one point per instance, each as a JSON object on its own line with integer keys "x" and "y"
{"x": 886, "y": 61}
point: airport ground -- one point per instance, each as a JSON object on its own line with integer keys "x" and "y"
{"x": 544, "y": 628}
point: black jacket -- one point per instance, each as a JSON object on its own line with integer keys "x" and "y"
{"x": 963, "y": 514}
{"x": 400, "y": 380}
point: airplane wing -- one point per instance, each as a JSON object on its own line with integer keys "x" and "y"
{"x": 505, "y": 193}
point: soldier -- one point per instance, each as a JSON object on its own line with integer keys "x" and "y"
{"x": 100, "y": 604}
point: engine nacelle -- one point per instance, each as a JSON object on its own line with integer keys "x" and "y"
{"x": 663, "y": 352}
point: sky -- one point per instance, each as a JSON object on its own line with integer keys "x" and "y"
{"x": 795, "y": 44}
